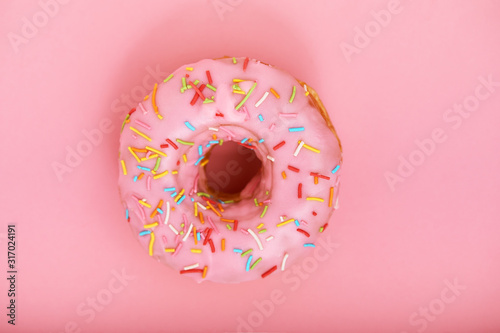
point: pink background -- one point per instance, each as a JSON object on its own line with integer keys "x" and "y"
{"x": 397, "y": 247}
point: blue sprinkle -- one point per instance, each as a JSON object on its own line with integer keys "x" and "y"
{"x": 309, "y": 245}
{"x": 244, "y": 140}
{"x": 198, "y": 236}
{"x": 200, "y": 150}
{"x": 145, "y": 232}
{"x": 297, "y": 223}
{"x": 173, "y": 194}
{"x": 143, "y": 168}
{"x": 238, "y": 250}
{"x": 214, "y": 142}
{"x": 336, "y": 169}
{"x": 169, "y": 189}
{"x": 135, "y": 178}
{"x": 261, "y": 118}
{"x": 248, "y": 263}
{"x": 192, "y": 199}
{"x": 261, "y": 140}
{"x": 126, "y": 213}
{"x": 159, "y": 210}
{"x": 201, "y": 157}
{"x": 296, "y": 129}
{"x": 181, "y": 199}
{"x": 208, "y": 145}
{"x": 191, "y": 127}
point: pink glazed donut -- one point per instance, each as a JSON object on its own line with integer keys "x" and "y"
{"x": 229, "y": 170}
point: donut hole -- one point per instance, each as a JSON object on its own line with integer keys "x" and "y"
{"x": 233, "y": 171}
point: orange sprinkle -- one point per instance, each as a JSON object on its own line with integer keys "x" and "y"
{"x": 153, "y": 98}
{"x": 330, "y": 200}
{"x": 140, "y": 176}
{"x": 274, "y": 93}
{"x": 223, "y": 244}
{"x": 201, "y": 217}
{"x": 315, "y": 180}
{"x": 213, "y": 208}
{"x": 227, "y": 220}
{"x": 204, "y": 272}
{"x": 283, "y": 174}
{"x": 220, "y": 207}
{"x": 194, "y": 234}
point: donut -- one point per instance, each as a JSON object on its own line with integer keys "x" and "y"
{"x": 229, "y": 170}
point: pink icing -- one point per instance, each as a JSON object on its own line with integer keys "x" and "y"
{"x": 272, "y": 190}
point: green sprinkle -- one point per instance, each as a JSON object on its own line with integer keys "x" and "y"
{"x": 236, "y": 87}
{"x": 207, "y": 100}
{"x": 246, "y": 252}
{"x": 123, "y": 124}
{"x": 234, "y": 60}
{"x": 168, "y": 78}
{"x": 293, "y": 94}
{"x": 203, "y": 194}
{"x": 228, "y": 227}
{"x": 211, "y": 87}
{"x": 228, "y": 202}
{"x": 246, "y": 96}
{"x": 220, "y": 142}
{"x": 157, "y": 165}
{"x": 256, "y": 203}
{"x": 187, "y": 143}
{"x": 184, "y": 83}
{"x": 267, "y": 192}
{"x": 321, "y": 229}
{"x": 198, "y": 81}
{"x": 255, "y": 263}
{"x": 262, "y": 231}
{"x": 264, "y": 212}
{"x": 181, "y": 233}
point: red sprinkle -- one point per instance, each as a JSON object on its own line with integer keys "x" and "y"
{"x": 235, "y": 225}
{"x": 212, "y": 246}
{"x": 294, "y": 169}
{"x": 245, "y": 64}
{"x": 219, "y": 114}
{"x": 131, "y": 111}
{"x": 299, "y": 194}
{"x": 269, "y": 271}
{"x": 279, "y": 145}
{"x": 319, "y": 176}
{"x": 303, "y": 232}
{"x": 164, "y": 146}
{"x": 172, "y": 143}
{"x": 209, "y": 77}
{"x": 178, "y": 162}
{"x": 198, "y": 93}
{"x": 196, "y": 270}
{"x": 324, "y": 227}
{"x": 314, "y": 213}
{"x": 207, "y": 237}
{"x": 210, "y": 200}
{"x": 245, "y": 145}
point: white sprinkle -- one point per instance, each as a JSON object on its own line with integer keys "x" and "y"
{"x": 270, "y": 158}
{"x": 173, "y": 229}
{"x": 305, "y": 87}
{"x": 188, "y": 232}
{"x": 262, "y": 99}
{"x": 284, "y": 262}
{"x": 269, "y": 238}
{"x": 213, "y": 129}
{"x": 191, "y": 267}
{"x": 256, "y": 239}
{"x": 168, "y": 213}
{"x": 299, "y": 147}
{"x": 201, "y": 206}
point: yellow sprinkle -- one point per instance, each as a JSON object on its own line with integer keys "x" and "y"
{"x": 144, "y": 203}
{"x": 175, "y": 172}
{"x": 223, "y": 244}
{"x": 179, "y": 195}
{"x": 307, "y": 93}
{"x": 151, "y": 243}
{"x": 204, "y": 272}
{"x": 275, "y": 93}
{"x": 124, "y": 168}
{"x": 150, "y": 157}
{"x": 195, "y": 208}
{"x": 133, "y": 154}
{"x": 159, "y": 116}
{"x": 195, "y": 250}
{"x": 315, "y": 199}
{"x": 284, "y": 222}
{"x": 239, "y": 80}
{"x": 151, "y": 225}
{"x": 164, "y": 173}
{"x": 140, "y": 133}
{"x": 156, "y": 151}
{"x": 169, "y": 250}
{"x": 283, "y": 174}
{"x": 146, "y": 98}
{"x": 184, "y": 157}
{"x": 260, "y": 225}
{"x": 189, "y": 68}
{"x": 310, "y": 148}
{"x": 241, "y": 92}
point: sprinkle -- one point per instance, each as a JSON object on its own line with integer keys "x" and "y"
{"x": 284, "y": 222}
{"x": 143, "y": 168}
{"x": 223, "y": 244}
{"x": 195, "y": 250}
{"x": 315, "y": 199}
{"x": 173, "y": 144}
{"x": 151, "y": 243}
{"x": 319, "y": 176}
{"x": 145, "y": 232}
{"x": 198, "y": 92}
{"x": 207, "y": 237}
{"x": 288, "y": 115}
{"x": 156, "y": 151}
{"x": 213, "y": 208}
{"x": 237, "y": 250}
{"x": 299, "y": 147}
{"x": 168, "y": 213}
{"x": 187, "y": 143}
{"x": 248, "y": 263}
{"x": 245, "y": 64}
{"x": 169, "y": 189}
{"x": 336, "y": 169}
{"x": 199, "y": 160}
{"x": 241, "y": 92}
{"x": 191, "y": 271}
{"x": 309, "y": 245}
{"x": 235, "y": 225}
{"x": 124, "y": 168}
{"x": 269, "y": 271}
{"x": 261, "y": 140}
{"x": 189, "y": 69}
{"x": 144, "y": 204}
{"x": 173, "y": 229}
{"x": 263, "y": 213}
{"x": 274, "y": 93}
{"x": 153, "y": 98}
{"x": 297, "y": 223}
{"x": 168, "y": 78}
{"x": 234, "y": 60}
{"x": 270, "y": 158}
{"x": 262, "y": 231}
{"x": 262, "y": 99}
{"x": 299, "y": 191}
{"x": 209, "y": 77}
{"x": 279, "y": 145}
{"x": 330, "y": 199}
{"x": 164, "y": 173}
{"x": 188, "y": 125}
{"x": 283, "y": 262}
{"x": 140, "y": 133}
{"x": 188, "y": 232}
{"x": 191, "y": 266}
{"x": 211, "y": 243}
{"x": 261, "y": 118}
{"x": 256, "y": 239}
{"x": 177, "y": 249}
{"x": 169, "y": 250}
{"x": 303, "y": 232}
{"x": 181, "y": 199}
{"x": 246, "y": 97}
{"x": 294, "y": 169}
{"x": 310, "y": 148}
{"x": 184, "y": 87}
{"x": 296, "y": 129}
{"x": 140, "y": 123}
{"x": 211, "y": 87}
{"x": 293, "y": 94}
{"x": 204, "y": 275}
{"x": 246, "y": 252}
{"x": 126, "y": 214}
{"x": 133, "y": 154}
{"x": 269, "y": 238}
{"x": 213, "y": 225}
{"x": 283, "y": 174}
